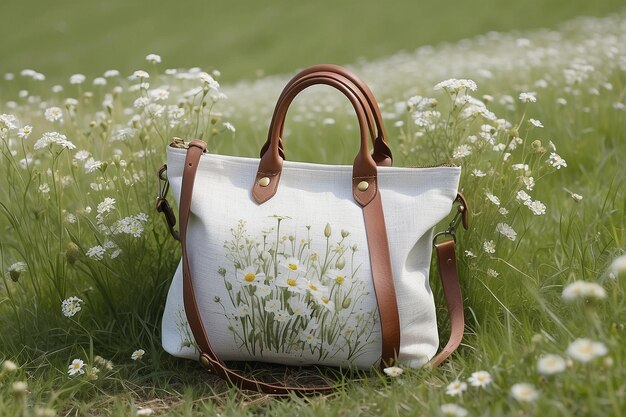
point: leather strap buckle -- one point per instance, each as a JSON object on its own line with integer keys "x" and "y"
{"x": 461, "y": 215}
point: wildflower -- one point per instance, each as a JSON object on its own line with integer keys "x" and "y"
{"x": 522, "y": 196}
{"x": 272, "y": 306}
{"x": 16, "y": 269}
{"x": 52, "y": 114}
{"x": 209, "y": 81}
{"x": 111, "y": 73}
{"x": 393, "y": 371}
{"x": 140, "y": 74}
{"x": 159, "y": 94}
{"x": 503, "y": 211}
{"x": 71, "y": 306}
{"x": 618, "y": 266}
{"x": 77, "y": 79}
{"x": 585, "y": 350}
{"x": 229, "y": 126}
{"x": 453, "y": 410}
{"x": 480, "y": 379}
{"x": 99, "y": 81}
{"x": 556, "y": 161}
{"x": 520, "y": 167}
{"x": 251, "y": 277}
{"x": 529, "y": 182}
{"x": 153, "y": 58}
{"x": 489, "y": 246}
{"x": 145, "y": 411}
{"x": 454, "y": 85}
{"x": 91, "y": 165}
{"x": 576, "y": 197}
{"x": 530, "y": 97}
{"x": 9, "y": 367}
{"x": 44, "y": 188}
{"x": 506, "y": 231}
{"x": 537, "y": 207}
{"x": 76, "y": 367}
{"x": 550, "y": 364}
{"x": 19, "y": 388}
{"x": 492, "y": 273}
{"x": 106, "y": 206}
{"x": 96, "y": 252}
{"x": 54, "y": 138}
{"x": 469, "y": 254}
{"x": 328, "y": 121}
{"x": 138, "y": 354}
{"x": 478, "y": 173}
{"x": 92, "y": 373}
{"x": 524, "y": 392}
{"x": 25, "y": 132}
{"x": 456, "y": 388}
{"x": 461, "y": 151}
{"x": 584, "y": 291}
{"x": 141, "y": 102}
{"x": 535, "y": 123}
{"x": 495, "y": 200}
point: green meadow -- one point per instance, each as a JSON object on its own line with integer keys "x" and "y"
{"x": 529, "y": 99}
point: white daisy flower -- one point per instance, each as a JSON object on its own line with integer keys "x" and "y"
{"x": 551, "y": 364}
{"x": 77, "y": 79}
{"x": 106, "y": 206}
{"x": 138, "y": 354}
{"x": 618, "y": 266}
{"x": 292, "y": 265}
{"x": 495, "y": 200}
{"x": 524, "y": 392}
{"x": 462, "y": 151}
{"x": 76, "y": 367}
{"x": 96, "y": 252}
{"x": 272, "y": 306}
{"x": 324, "y": 300}
{"x": 537, "y": 207}
{"x": 453, "y": 410}
{"x": 393, "y": 371}
{"x": 140, "y": 74}
{"x": 456, "y": 388}
{"x": 25, "y": 132}
{"x": 480, "y": 379}
{"x": 250, "y": 276}
{"x": 535, "y": 123}
{"x": 528, "y": 97}
{"x": 470, "y": 254}
{"x": 523, "y": 196}
{"x": 153, "y": 58}
{"x": 54, "y": 138}
{"x": 585, "y": 350}
{"x": 556, "y": 161}
{"x": 299, "y": 307}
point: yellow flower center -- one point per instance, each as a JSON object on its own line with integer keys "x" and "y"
{"x": 293, "y": 267}
{"x": 325, "y": 300}
{"x": 249, "y": 277}
{"x": 312, "y": 287}
{"x": 340, "y": 280}
{"x": 291, "y": 282}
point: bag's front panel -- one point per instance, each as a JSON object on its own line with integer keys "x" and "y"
{"x": 289, "y": 281}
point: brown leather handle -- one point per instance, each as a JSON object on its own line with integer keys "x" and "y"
{"x": 208, "y": 358}
{"x": 270, "y": 166}
{"x": 381, "y": 154}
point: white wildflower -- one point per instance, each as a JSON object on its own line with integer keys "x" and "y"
{"x": 454, "y": 85}
{"x": 111, "y": 73}
{"x": 81, "y": 155}
{"x": 76, "y": 367}
{"x": 106, "y": 206}
{"x": 492, "y": 273}
{"x": 229, "y": 126}
{"x": 529, "y": 182}
{"x": 556, "y": 161}
{"x": 522, "y": 196}
{"x": 537, "y": 207}
{"x": 77, "y": 79}
{"x": 462, "y": 151}
{"x": 139, "y": 74}
{"x": 529, "y": 97}
{"x": 479, "y": 379}
{"x": 138, "y": 354}
{"x": 585, "y": 350}
{"x": 495, "y": 200}
{"x": 209, "y": 81}
{"x": 25, "y": 132}
{"x": 453, "y": 410}
{"x": 54, "y": 138}
{"x": 141, "y": 102}
{"x": 535, "y": 123}
{"x": 71, "y": 306}
{"x": 489, "y": 246}
{"x": 470, "y": 254}
{"x": 583, "y": 290}
{"x": 145, "y": 411}
{"x": 506, "y": 231}
{"x": 153, "y": 58}
{"x": 456, "y": 388}
{"x": 618, "y": 266}
{"x": 159, "y": 94}
{"x": 99, "y": 81}
{"x": 393, "y": 371}
{"x": 92, "y": 165}
{"x": 96, "y": 252}
{"x": 478, "y": 173}
{"x": 524, "y": 392}
{"x": 44, "y": 188}
{"x": 550, "y": 364}
{"x": 503, "y": 211}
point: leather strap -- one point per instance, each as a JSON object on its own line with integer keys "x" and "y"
{"x": 208, "y": 358}
{"x": 381, "y": 154}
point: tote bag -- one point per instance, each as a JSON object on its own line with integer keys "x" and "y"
{"x": 302, "y": 263}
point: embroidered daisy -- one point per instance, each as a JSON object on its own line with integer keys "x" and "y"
{"x": 292, "y": 265}
{"x": 250, "y": 276}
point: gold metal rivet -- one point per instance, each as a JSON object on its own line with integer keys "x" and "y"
{"x": 264, "y": 182}
{"x": 363, "y": 185}
{"x": 204, "y": 361}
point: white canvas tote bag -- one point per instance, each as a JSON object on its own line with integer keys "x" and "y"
{"x": 300, "y": 263}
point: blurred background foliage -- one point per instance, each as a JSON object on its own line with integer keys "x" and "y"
{"x": 248, "y": 39}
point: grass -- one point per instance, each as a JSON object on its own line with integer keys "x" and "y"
{"x": 512, "y": 319}
{"x": 251, "y": 38}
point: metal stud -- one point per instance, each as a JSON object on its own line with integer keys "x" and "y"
{"x": 363, "y": 185}
{"x": 264, "y": 182}
{"x": 204, "y": 361}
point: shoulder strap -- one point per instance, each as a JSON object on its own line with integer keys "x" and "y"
{"x": 208, "y": 358}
